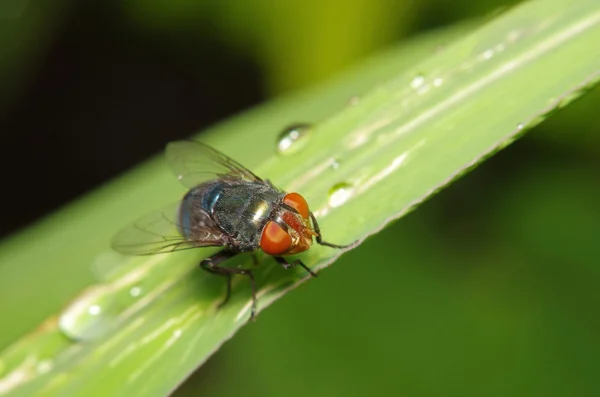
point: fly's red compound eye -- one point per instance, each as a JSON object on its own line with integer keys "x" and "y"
{"x": 297, "y": 202}
{"x": 275, "y": 240}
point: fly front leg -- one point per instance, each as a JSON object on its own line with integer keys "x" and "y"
{"x": 286, "y": 265}
{"x": 211, "y": 265}
{"x": 255, "y": 259}
{"x": 320, "y": 239}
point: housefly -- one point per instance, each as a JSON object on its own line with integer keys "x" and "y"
{"x": 227, "y": 206}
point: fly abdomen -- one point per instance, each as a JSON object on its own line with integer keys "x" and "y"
{"x": 185, "y": 215}
{"x": 200, "y": 199}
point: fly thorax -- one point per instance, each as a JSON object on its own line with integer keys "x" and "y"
{"x": 242, "y": 210}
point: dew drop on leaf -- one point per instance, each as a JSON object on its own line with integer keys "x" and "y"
{"x": 135, "y": 291}
{"x": 293, "y": 138}
{"x": 340, "y": 193}
{"x": 335, "y": 164}
{"x": 91, "y": 315}
{"x": 417, "y": 81}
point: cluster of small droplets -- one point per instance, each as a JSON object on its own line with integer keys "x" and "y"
{"x": 419, "y": 84}
{"x": 294, "y": 138}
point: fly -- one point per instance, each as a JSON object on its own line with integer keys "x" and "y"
{"x": 227, "y": 206}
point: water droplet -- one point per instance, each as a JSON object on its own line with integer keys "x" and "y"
{"x": 293, "y": 138}
{"x": 520, "y": 126}
{"x": 417, "y": 81}
{"x": 44, "y": 366}
{"x": 487, "y": 54}
{"x": 135, "y": 291}
{"x": 94, "y": 310}
{"x": 89, "y": 316}
{"x": 97, "y": 311}
{"x": 340, "y": 193}
{"x": 438, "y": 81}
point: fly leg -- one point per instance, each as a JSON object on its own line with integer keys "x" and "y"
{"x": 211, "y": 265}
{"x": 320, "y": 239}
{"x": 286, "y": 265}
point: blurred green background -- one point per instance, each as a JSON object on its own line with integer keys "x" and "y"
{"x": 490, "y": 288}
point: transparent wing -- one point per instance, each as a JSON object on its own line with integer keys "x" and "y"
{"x": 158, "y": 232}
{"x": 194, "y": 163}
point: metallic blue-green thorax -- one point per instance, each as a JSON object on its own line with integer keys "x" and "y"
{"x": 240, "y": 209}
